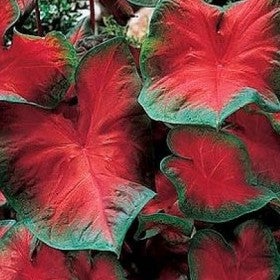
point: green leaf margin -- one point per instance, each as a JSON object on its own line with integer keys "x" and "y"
{"x": 199, "y": 116}
{"x": 183, "y": 225}
{"x": 200, "y": 235}
{"x": 14, "y": 19}
{"x": 144, "y": 3}
{"x": 59, "y": 89}
{"x": 69, "y": 243}
{"x": 207, "y": 214}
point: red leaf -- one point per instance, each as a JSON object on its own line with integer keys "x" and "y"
{"x": 166, "y": 198}
{"x": 17, "y": 260}
{"x": 79, "y": 185}
{"x": 2, "y": 199}
{"x": 202, "y": 63}
{"x": 136, "y": 55}
{"x": 9, "y": 13}
{"x": 275, "y": 121}
{"x": 81, "y": 265}
{"x": 80, "y": 31}
{"x": 212, "y": 175}
{"x": 262, "y": 144}
{"x": 103, "y": 266}
{"x": 252, "y": 256}
{"x": 36, "y": 70}
{"x": 162, "y": 214}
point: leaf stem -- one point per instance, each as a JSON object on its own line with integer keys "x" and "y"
{"x": 38, "y": 18}
{"x": 92, "y": 14}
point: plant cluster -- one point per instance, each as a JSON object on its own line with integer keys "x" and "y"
{"x": 56, "y": 15}
{"x": 160, "y": 167}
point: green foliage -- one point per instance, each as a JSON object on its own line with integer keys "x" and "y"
{"x": 80, "y": 160}
{"x": 112, "y": 29}
{"x": 60, "y": 15}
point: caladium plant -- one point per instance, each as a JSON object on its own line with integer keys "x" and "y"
{"x": 226, "y": 185}
{"x": 201, "y": 63}
{"x": 45, "y": 71}
{"x": 256, "y": 131}
{"x": 80, "y": 157}
{"x": 9, "y": 15}
{"x": 18, "y": 261}
{"x": 211, "y": 257}
{"x": 95, "y": 186}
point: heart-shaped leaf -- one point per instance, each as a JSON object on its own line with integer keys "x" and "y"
{"x": 36, "y": 70}
{"x": 262, "y": 144}
{"x": 9, "y": 13}
{"x": 253, "y": 255}
{"x": 18, "y": 261}
{"x": 202, "y": 63}
{"x": 78, "y": 184}
{"x": 212, "y": 174}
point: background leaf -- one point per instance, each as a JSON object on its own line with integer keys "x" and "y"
{"x": 253, "y": 255}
